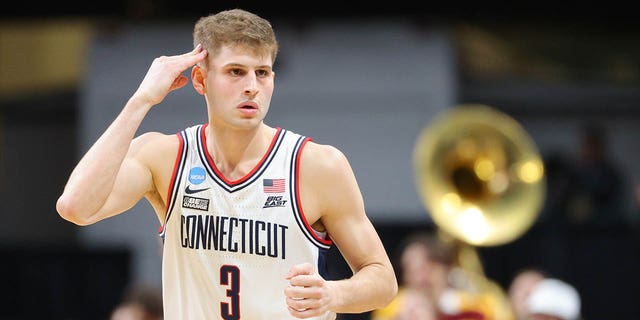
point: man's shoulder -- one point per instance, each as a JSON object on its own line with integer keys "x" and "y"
{"x": 155, "y": 148}
{"x": 323, "y": 157}
{"x": 156, "y": 140}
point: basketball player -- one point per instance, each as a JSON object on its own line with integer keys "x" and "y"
{"x": 247, "y": 210}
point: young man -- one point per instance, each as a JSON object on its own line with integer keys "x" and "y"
{"x": 436, "y": 285}
{"x": 247, "y": 210}
{"x": 424, "y": 263}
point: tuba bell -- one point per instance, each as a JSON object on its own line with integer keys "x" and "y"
{"x": 481, "y": 180}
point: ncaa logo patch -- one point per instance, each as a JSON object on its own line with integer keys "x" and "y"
{"x": 197, "y": 175}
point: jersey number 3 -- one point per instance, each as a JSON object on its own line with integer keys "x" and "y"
{"x": 230, "y": 277}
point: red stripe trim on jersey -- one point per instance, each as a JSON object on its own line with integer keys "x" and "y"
{"x": 248, "y": 175}
{"x": 298, "y": 199}
{"x": 173, "y": 180}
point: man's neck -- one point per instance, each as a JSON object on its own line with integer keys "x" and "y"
{"x": 236, "y": 152}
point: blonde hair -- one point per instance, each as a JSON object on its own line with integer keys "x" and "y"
{"x": 236, "y": 27}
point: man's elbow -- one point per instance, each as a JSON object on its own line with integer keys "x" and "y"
{"x": 392, "y": 290}
{"x": 69, "y": 212}
{"x": 388, "y": 288}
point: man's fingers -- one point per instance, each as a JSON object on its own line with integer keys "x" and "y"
{"x": 303, "y": 304}
{"x": 194, "y": 59}
{"x": 306, "y": 281}
{"x": 195, "y": 51}
{"x": 300, "y": 292}
{"x": 304, "y": 308}
{"x": 301, "y": 314}
{"x": 191, "y": 58}
{"x": 300, "y": 269}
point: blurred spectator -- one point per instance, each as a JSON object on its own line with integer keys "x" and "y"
{"x": 553, "y": 299}
{"x": 425, "y": 262}
{"x": 434, "y": 285}
{"x": 520, "y": 289}
{"x": 559, "y": 178}
{"x": 139, "y": 303}
{"x": 596, "y": 192}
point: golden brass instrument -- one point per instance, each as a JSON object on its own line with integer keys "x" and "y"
{"x": 481, "y": 179}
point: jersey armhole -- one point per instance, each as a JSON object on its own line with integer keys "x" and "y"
{"x": 320, "y": 239}
{"x": 175, "y": 179}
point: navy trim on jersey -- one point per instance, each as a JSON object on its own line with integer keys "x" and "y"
{"x": 233, "y": 187}
{"x": 322, "y": 264}
{"x": 175, "y": 187}
{"x": 295, "y": 202}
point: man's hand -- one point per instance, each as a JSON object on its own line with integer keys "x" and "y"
{"x": 165, "y": 75}
{"x": 308, "y": 294}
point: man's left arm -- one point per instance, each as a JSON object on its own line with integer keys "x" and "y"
{"x": 337, "y": 198}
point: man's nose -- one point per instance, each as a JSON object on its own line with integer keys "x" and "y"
{"x": 251, "y": 85}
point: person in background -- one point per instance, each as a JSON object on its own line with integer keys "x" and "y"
{"x": 434, "y": 284}
{"x": 597, "y": 191}
{"x": 139, "y": 303}
{"x": 247, "y": 210}
{"x": 425, "y": 262}
{"x": 553, "y": 299}
{"x": 520, "y": 288}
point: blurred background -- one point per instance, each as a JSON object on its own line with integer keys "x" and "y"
{"x": 364, "y": 77}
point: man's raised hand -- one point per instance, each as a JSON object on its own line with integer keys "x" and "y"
{"x": 165, "y": 75}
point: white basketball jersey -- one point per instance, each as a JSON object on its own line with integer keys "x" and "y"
{"x": 228, "y": 244}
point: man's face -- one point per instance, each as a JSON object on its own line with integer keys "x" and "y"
{"x": 238, "y": 87}
{"x": 421, "y": 272}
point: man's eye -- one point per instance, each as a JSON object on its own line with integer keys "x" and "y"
{"x": 235, "y": 72}
{"x": 263, "y": 73}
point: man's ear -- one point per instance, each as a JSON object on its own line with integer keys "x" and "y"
{"x": 198, "y": 75}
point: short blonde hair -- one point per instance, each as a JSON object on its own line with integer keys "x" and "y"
{"x": 236, "y": 27}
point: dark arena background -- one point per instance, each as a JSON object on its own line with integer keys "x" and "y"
{"x": 364, "y": 76}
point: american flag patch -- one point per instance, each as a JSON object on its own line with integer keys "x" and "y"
{"x": 273, "y": 185}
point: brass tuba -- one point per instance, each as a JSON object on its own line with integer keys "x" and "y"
{"x": 481, "y": 179}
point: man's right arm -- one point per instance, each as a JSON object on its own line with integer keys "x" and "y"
{"x": 109, "y": 169}
{"x": 111, "y": 177}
